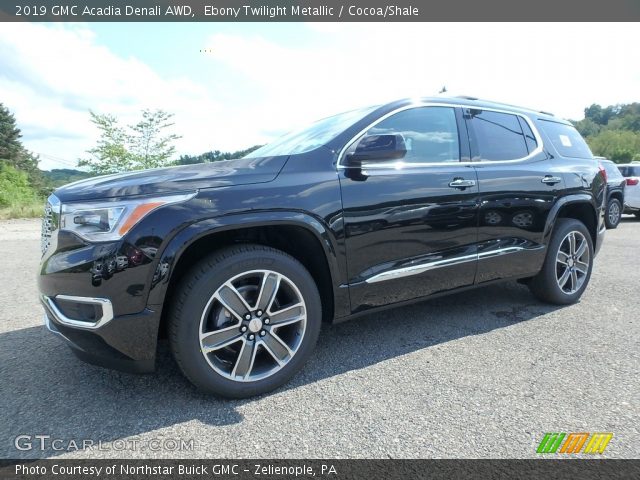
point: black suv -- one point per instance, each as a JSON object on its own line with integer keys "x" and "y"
{"x": 615, "y": 193}
{"x": 239, "y": 262}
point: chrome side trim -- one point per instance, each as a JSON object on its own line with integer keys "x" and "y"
{"x": 499, "y": 252}
{"x": 105, "y": 304}
{"x": 424, "y": 267}
{"x": 400, "y": 164}
{"x": 421, "y": 268}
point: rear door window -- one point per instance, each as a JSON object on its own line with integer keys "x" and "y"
{"x": 498, "y": 136}
{"x": 566, "y": 139}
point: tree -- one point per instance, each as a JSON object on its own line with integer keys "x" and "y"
{"x": 10, "y": 145}
{"x": 613, "y": 131}
{"x": 15, "y": 187}
{"x": 587, "y": 127}
{"x": 214, "y": 156}
{"x": 598, "y": 114}
{"x": 148, "y": 145}
{"x": 134, "y": 147}
{"x": 13, "y": 153}
{"x": 618, "y": 145}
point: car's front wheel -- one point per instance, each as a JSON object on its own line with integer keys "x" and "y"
{"x": 567, "y": 266}
{"x": 245, "y": 320}
{"x": 614, "y": 213}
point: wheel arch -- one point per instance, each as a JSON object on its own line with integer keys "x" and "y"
{"x": 298, "y": 234}
{"x": 618, "y": 196}
{"x": 578, "y": 206}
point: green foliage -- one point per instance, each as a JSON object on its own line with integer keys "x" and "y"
{"x": 621, "y": 146}
{"x": 214, "y": 156}
{"x": 10, "y": 146}
{"x": 25, "y": 210}
{"x": 13, "y": 153}
{"x": 15, "y": 188}
{"x": 597, "y": 114}
{"x": 587, "y": 127}
{"x": 612, "y": 132}
{"x": 61, "y": 176}
{"x": 134, "y": 147}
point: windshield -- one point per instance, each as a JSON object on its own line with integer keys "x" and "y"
{"x": 317, "y": 134}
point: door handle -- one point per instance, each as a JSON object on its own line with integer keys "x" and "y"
{"x": 461, "y": 183}
{"x": 550, "y": 180}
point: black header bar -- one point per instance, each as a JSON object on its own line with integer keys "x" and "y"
{"x": 317, "y": 10}
{"x": 547, "y": 469}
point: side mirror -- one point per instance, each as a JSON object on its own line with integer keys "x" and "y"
{"x": 377, "y": 148}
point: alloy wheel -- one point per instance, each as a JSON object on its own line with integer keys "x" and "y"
{"x": 614, "y": 213}
{"x": 252, "y": 325}
{"x": 572, "y": 262}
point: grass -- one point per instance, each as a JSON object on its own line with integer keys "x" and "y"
{"x": 26, "y": 210}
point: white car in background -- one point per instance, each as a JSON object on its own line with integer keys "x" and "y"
{"x": 631, "y": 172}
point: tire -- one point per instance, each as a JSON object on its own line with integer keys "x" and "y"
{"x": 637, "y": 214}
{"x": 614, "y": 213}
{"x": 546, "y": 285}
{"x": 217, "y": 347}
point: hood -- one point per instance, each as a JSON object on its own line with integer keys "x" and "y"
{"x": 169, "y": 180}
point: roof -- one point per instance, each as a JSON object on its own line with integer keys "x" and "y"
{"x": 480, "y": 103}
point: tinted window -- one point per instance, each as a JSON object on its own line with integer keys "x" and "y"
{"x": 529, "y": 137}
{"x": 430, "y": 134}
{"x": 498, "y": 135}
{"x": 566, "y": 140}
{"x": 630, "y": 171}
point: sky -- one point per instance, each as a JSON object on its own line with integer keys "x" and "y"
{"x": 234, "y": 85}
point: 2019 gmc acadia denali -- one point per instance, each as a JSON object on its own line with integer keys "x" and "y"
{"x": 240, "y": 261}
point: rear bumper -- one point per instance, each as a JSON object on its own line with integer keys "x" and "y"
{"x": 126, "y": 343}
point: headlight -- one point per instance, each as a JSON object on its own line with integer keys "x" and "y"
{"x": 104, "y": 221}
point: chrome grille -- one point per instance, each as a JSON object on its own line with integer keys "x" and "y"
{"x": 47, "y": 228}
{"x": 49, "y": 222}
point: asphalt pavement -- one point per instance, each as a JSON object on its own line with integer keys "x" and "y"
{"x": 484, "y": 374}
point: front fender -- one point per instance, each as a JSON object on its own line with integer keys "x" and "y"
{"x": 181, "y": 241}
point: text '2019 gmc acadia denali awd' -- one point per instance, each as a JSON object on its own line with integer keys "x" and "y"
{"x": 240, "y": 261}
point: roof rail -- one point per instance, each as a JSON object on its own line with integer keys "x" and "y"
{"x": 467, "y": 97}
{"x": 546, "y": 113}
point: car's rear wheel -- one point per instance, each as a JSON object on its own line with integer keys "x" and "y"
{"x": 614, "y": 213}
{"x": 244, "y": 321}
{"x": 567, "y": 266}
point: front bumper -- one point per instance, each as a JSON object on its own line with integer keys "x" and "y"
{"x": 127, "y": 343}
